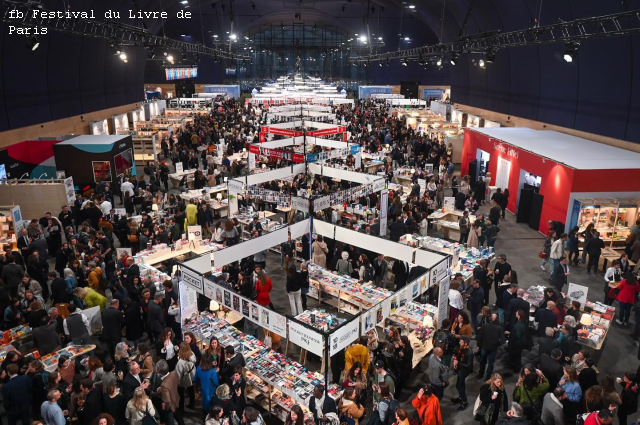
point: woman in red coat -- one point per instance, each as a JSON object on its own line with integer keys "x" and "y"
{"x": 628, "y": 291}
{"x": 263, "y": 287}
{"x": 428, "y": 407}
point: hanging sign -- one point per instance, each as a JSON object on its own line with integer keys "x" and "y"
{"x": 300, "y": 204}
{"x": 194, "y": 233}
{"x": 438, "y": 272}
{"x": 188, "y": 301}
{"x": 344, "y": 336}
{"x": 192, "y": 279}
{"x": 210, "y": 290}
{"x": 273, "y": 321}
{"x": 321, "y": 203}
{"x": 306, "y": 338}
{"x": 179, "y": 168}
{"x": 235, "y": 186}
{"x": 384, "y": 209}
{"x": 456, "y": 256}
{"x": 378, "y": 184}
{"x": 443, "y": 299}
{"x": 69, "y": 191}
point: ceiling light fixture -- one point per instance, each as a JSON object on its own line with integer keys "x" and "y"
{"x": 123, "y": 55}
{"x": 404, "y": 62}
{"x": 439, "y": 62}
{"x": 412, "y": 6}
{"x": 454, "y": 59}
{"x": 481, "y": 63}
{"x": 571, "y": 51}
{"x": 32, "y": 43}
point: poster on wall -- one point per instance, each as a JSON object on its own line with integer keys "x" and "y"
{"x": 443, "y": 299}
{"x": 344, "y": 336}
{"x": 306, "y": 338}
{"x": 210, "y": 290}
{"x": 438, "y": 272}
{"x": 69, "y": 191}
{"x": 192, "y": 279}
{"x": 368, "y": 320}
{"x": 195, "y": 233}
{"x": 385, "y": 310}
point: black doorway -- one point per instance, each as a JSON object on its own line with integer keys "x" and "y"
{"x": 409, "y": 89}
{"x": 524, "y": 205}
{"x": 536, "y": 210}
{"x": 185, "y": 88}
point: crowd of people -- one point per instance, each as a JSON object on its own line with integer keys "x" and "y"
{"x": 144, "y": 367}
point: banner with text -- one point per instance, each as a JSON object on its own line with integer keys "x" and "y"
{"x": 192, "y": 279}
{"x": 344, "y": 336}
{"x": 306, "y": 338}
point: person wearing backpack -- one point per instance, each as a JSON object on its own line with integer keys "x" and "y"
{"x": 349, "y": 409}
{"x": 386, "y": 407}
{"x": 381, "y": 376}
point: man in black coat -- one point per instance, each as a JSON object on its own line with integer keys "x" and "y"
{"x": 400, "y": 270}
{"x": 490, "y": 338}
{"x": 593, "y": 247}
{"x": 132, "y": 380}
{"x": 516, "y": 304}
{"x": 501, "y": 269}
{"x": 92, "y": 402}
{"x": 112, "y": 322}
{"x": 561, "y": 273}
{"x": 546, "y": 318}
{"x": 45, "y": 337}
{"x": 328, "y": 406}
{"x": 550, "y": 365}
{"x": 460, "y": 199}
{"x": 481, "y": 273}
{"x": 474, "y": 304}
{"x": 408, "y": 220}
{"x": 155, "y": 317}
{"x": 397, "y": 230}
{"x": 547, "y": 343}
{"x": 16, "y": 394}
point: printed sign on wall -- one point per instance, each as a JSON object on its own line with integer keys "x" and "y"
{"x": 306, "y": 338}
{"x": 344, "y": 336}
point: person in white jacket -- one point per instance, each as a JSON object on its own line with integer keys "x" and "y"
{"x": 557, "y": 252}
{"x": 186, "y": 370}
{"x": 455, "y": 301}
{"x": 138, "y": 407}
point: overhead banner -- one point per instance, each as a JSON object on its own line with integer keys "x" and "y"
{"x": 306, "y": 338}
{"x": 443, "y": 300}
{"x": 235, "y": 186}
{"x": 277, "y": 153}
{"x": 193, "y": 280}
{"x": 268, "y": 195}
{"x": 384, "y": 209}
{"x": 321, "y": 203}
{"x": 69, "y": 191}
{"x": 344, "y": 336}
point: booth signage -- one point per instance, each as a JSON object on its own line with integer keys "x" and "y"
{"x": 321, "y": 203}
{"x": 252, "y": 160}
{"x": 378, "y": 184}
{"x": 449, "y": 203}
{"x": 344, "y": 336}
{"x": 188, "y": 301}
{"x": 69, "y": 190}
{"x": 300, "y": 204}
{"x": 209, "y": 289}
{"x": 277, "y": 153}
{"x": 306, "y": 338}
{"x": 443, "y": 299}
{"x": 368, "y": 319}
{"x": 273, "y": 321}
{"x": 235, "y": 186}
{"x": 438, "y": 272}
{"x": 456, "y": 256}
{"x": 505, "y": 150}
{"x": 193, "y": 280}
{"x": 194, "y": 233}
{"x": 384, "y": 209}
{"x": 179, "y": 168}
{"x": 578, "y": 293}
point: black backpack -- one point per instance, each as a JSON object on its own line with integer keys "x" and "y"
{"x": 391, "y": 411}
{"x": 441, "y": 340}
{"x": 369, "y": 273}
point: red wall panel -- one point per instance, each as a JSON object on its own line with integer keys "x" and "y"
{"x": 556, "y": 183}
{"x": 606, "y": 181}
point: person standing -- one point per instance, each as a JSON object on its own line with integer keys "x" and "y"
{"x": 557, "y": 253}
{"x": 170, "y": 397}
{"x": 427, "y": 406}
{"x": 438, "y": 374}
{"x": 593, "y": 247}
{"x": 490, "y": 338}
{"x": 294, "y": 291}
{"x": 474, "y": 304}
{"x": 463, "y": 363}
{"x": 627, "y": 295}
{"x": 463, "y": 222}
{"x": 51, "y": 413}
{"x": 501, "y": 269}
{"x": 481, "y": 273}
{"x": 16, "y": 395}
{"x": 494, "y": 399}
{"x": 112, "y": 321}
{"x": 517, "y": 340}
{"x": 319, "y": 252}
{"x": 560, "y": 273}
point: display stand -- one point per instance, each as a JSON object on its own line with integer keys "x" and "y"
{"x": 612, "y": 218}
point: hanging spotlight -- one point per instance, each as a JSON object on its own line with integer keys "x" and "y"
{"x": 32, "y": 43}
{"x": 380, "y": 64}
{"x": 151, "y": 53}
{"x": 421, "y": 60}
{"x": 364, "y": 64}
{"x": 439, "y": 62}
{"x": 490, "y": 56}
{"x": 170, "y": 58}
{"x": 404, "y": 62}
{"x": 571, "y": 51}
{"x": 481, "y": 64}
{"x": 454, "y": 59}
{"x": 123, "y": 55}
{"x": 388, "y": 61}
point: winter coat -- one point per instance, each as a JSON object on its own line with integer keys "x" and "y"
{"x": 350, "y": 409}
{"x": 628, "y": 292}
{"x": 186, "y": 370}
{"x": 319, "y": 254}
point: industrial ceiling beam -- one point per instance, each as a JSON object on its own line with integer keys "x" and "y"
{"x": 624, "y": 23}
{"x": 114, "y": 32}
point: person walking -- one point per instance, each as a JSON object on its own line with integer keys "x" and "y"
{"x": 427, "y": 406}
{"x": 494, "y": 399}
{"x": 463, "y": 364}
{"x": 546, "y": 249}
{"x": 627, "y": 295}
{"x": 319, "y": 252}
{"x": 186, "y": 370}
{"x": 294, "y": 291}
{"x": 557, "y": 253}
{"x": 438, "y": 373}
{"x": 207, "y": 376}
{"x": 594, "y": 248}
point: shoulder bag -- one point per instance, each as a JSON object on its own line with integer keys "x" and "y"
{"x": 148, "y": 419}
{"x": 479, "y": 410}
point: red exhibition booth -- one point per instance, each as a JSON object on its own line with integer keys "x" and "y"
{"x": 560, "y": 169}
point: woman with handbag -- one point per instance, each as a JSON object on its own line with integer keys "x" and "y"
{"x": 492, "y": 401}
{"x": 139, "y": 407}
{"x": 530, "y": 389}
{"x": 186, "y": 370}
{"x": 207, "y": 376}
{"x": 319, "y": 252}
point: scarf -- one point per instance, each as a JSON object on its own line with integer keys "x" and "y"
{"x": 319, "y": 404}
